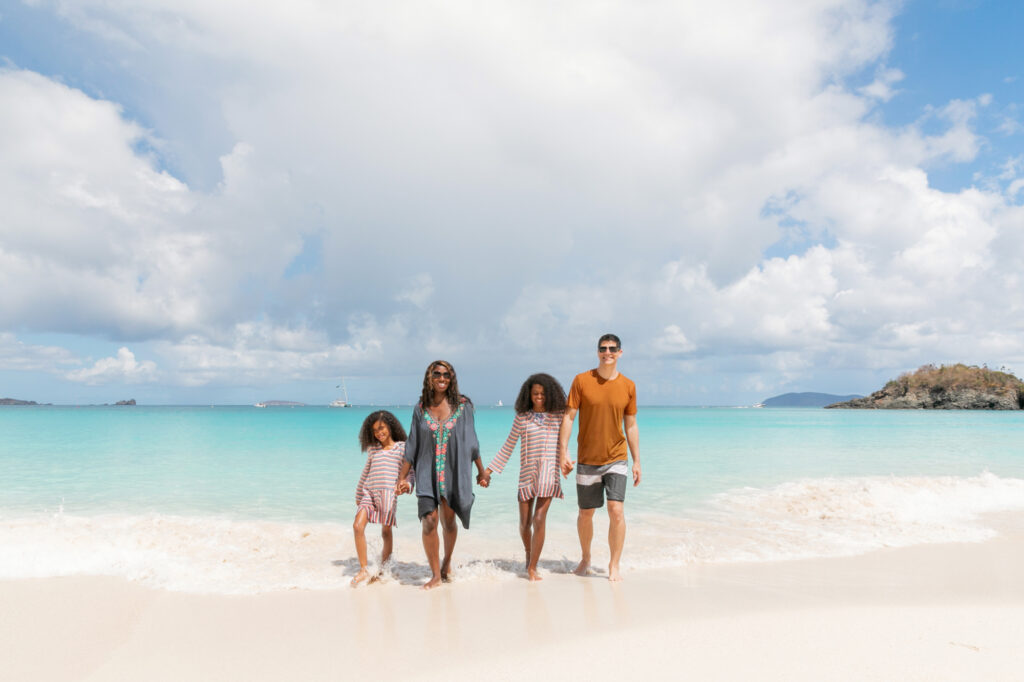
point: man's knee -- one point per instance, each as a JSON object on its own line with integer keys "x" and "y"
{"x": 430, "y": 523}
{"x": 587, "y": 514}
{"x": 616, "y": 513}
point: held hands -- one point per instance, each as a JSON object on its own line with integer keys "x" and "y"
{"x": 483, "y": 479}
{"x": 566, "y": 465}
{"x": 402, "y": 487}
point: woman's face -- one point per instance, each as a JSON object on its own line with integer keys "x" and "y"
{"x": 440, "y": 378}
{"x": 382, "y": 433}
{"x": 537, "y": 397}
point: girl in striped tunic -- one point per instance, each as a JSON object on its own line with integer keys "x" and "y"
{"x": 383, "y": 438}
{"x": 539, "y": 410}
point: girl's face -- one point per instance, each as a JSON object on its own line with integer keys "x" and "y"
{"x": 537, "y": 397}
{"x": 440, "y": 377}
{"x": 382, "y": 433}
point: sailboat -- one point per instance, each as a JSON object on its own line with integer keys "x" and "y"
{"x": 343, "y": 401}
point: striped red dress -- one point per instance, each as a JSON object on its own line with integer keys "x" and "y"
{"x": 538, "y": 467}
{"x": 376, "y": 489}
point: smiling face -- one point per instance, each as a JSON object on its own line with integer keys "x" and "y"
{"x": 608, "y": 353}
{"x": 382, "y": 433}
{"x": 537, "y": 397}
{"x": 440, "y": 378}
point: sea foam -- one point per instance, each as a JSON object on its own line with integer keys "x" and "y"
{"x": 824, "y": 517}
{"x": 830, "y": 517}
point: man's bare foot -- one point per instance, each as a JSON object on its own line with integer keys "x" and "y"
{"x": 378, "y": 576}
{"x": 533, "y": 575}
{"x": 583, "y": 568}
{"x": 432, "y": 583}
{"x": 613, "y": 574}
{"x": 362, "y": 575}
{"x": 446, "y": 570}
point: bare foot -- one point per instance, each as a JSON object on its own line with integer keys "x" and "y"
{"x": 533, "y": 575}
{"x": 446, "y": 570}
{"x": 613, "y": 574}
{"x": 432, "y": 583}
{"x": 376, "y": 578}
{"x": 362, "y": 575}
{"x": 583, "y": 568}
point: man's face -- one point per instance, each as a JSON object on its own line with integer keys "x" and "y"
{"x": 608, "y": 352}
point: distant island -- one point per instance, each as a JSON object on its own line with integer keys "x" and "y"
{"x": 130, "y": 401}
{"x": 279, "y": 403}
{"x": 949, "y": 387}
{"x": 13, "y": 401}
{"x": 805, "y": 400}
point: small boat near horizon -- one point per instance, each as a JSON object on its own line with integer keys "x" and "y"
{"x": 343, "y": 401}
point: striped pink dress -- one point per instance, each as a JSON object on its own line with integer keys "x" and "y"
{"x": 538, "y": 467}
{"x": 376, "y": 489}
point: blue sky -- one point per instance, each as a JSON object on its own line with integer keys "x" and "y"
{"x": 233, "y": 203}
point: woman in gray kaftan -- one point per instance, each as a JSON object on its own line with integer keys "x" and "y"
{"x": 442, "y": 449}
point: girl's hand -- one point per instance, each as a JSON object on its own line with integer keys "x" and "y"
{"x": 402, "y": 487}
{"x": 483, "y": 479}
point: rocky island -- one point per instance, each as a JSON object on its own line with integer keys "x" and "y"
{"x": 948, "y": 387}
{"x": 15, "y": 401}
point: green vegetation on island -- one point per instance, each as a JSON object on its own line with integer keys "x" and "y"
{"x": 948, "y": 387}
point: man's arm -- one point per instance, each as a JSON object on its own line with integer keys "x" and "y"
{"x": 633, "y": 440}
{"x": 564, "y": 431}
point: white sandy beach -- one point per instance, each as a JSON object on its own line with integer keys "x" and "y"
{"x": 930, "y": 612}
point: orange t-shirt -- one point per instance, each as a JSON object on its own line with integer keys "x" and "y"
{"x": 602, "y": 405}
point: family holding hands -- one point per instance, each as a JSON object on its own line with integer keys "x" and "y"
{"x": 437, "y": 457}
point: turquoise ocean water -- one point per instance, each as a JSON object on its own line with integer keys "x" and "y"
{"x": 240, "y": 499}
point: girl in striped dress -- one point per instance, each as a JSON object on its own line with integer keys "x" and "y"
{"x": 383, "y": 438}
{"x": 539, "y": 410}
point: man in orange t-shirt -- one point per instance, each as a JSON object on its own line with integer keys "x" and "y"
{"x": 606, "y": 403}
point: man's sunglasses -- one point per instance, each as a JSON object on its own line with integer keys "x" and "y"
{"x": 607, "y": 349}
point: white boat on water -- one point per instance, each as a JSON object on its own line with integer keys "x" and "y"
{"x": 343, "y": 401}
{"x": 260, "y": 405}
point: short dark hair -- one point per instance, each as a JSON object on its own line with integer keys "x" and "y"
{"x": 366, "y": 437}
{"x": 554, "y": 394}
{"x": 610, "y": 337}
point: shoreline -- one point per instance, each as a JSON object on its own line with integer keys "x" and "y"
{"x": 942, "y": 611}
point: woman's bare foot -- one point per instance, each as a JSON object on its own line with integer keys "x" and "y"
{"x": 362, "y": 575}
{"x": 432, "y": 583}
{"x": 613, "y": 573}
{"x": 533, "y": 575}
{"x": 583, "y": 568}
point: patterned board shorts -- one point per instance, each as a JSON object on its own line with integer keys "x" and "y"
{"x": 594, "y": 483}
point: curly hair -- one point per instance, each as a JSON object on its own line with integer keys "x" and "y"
{"x": 366, "y": 437}
{"x": 554, "y": 394}
{"x": 452, "y": 394}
